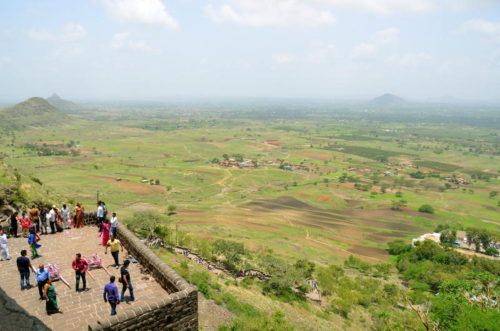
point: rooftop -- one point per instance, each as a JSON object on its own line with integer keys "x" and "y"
{"x": 79, "y": 308}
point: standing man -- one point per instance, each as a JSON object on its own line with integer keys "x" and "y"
{"x": 35, "y": 217}
{"x": 41, "y": 277}
{"x": 115, "y": 245}
{"x": 65, "y": 215}
{"x": 80, "y": 266}
{"x": 13, "y": 225}
{"x": 114, "y": 224}
{"x": 100, "y": 215}
{"x": 43, "y": 221}
{"x": 111, "y": 294}
{"x": 125, "y": 277}
{"x": 4, "y": 246}
{"x": 52, "y": 219}
{"x": 24, "y": 266}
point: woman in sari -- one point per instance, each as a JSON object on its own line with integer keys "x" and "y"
{"x": 105, "y": 232}
{"x": 79, "y": 215}
{"x": 59, "y": 221}
{"x": 50, "y": 296}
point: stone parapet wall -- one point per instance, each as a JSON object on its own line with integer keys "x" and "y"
{"x": 14, "y": 318}
{"x": 174, "y": 309}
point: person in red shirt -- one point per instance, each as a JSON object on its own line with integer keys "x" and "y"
{"x": 25, "y": 225}
{"x": 80, "y": 266}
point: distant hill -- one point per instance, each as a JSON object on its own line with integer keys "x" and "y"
{"x": 63, "y": 105}
{"x": 31, "y": 113}
{"x": 387, "y": 100}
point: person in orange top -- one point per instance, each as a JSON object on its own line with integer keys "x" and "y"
{"x": 80, "y": 266}
{"x": 79, "y": 216}
{"x": 35, "y": 217}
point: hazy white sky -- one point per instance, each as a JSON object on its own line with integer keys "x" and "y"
{"x": 136, "y": 49}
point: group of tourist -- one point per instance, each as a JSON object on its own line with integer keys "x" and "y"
{"x": 58, "y": 220}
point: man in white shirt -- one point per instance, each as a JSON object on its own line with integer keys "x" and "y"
{"x": 100, "y": 215}
{"x": 52, "y": 219}
{"x": 4, "y": 246}
{"x": 65, "y": 215}
{"x": 114, "y": 225}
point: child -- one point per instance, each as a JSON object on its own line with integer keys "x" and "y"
{"x": 33, "y": 241}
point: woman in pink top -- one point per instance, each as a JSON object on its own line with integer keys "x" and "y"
{"x": 105, "y": 232}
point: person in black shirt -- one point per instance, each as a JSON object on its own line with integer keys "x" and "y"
{"x": 24, "y": 266}
{"x": 125, "y": 280}
{"x": 13, "y": 225}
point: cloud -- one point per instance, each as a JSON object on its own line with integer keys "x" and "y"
{"x": 410, "y": 59}
{"x": 388, "y": 36}
{"x": 150, "y": 12}
{"x": 124, "y": 41}
{"x": 378, "y": 39}
{"x": 491, "y": 29}
{"x": 385, "y": 7}
{"x": 69, "y": 33}
{"x": 283, "y": 58}
{"x": 277, "y": 13}
{"x": 364, "y": 50}
{"x": 321, "y": 52}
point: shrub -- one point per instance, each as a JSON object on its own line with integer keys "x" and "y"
{"x": 492, "y": 251}
{"x": 426, "y": 209}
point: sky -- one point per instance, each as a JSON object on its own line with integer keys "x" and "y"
{"x": 333, "y": 49}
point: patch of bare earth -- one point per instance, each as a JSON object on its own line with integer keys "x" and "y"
{"x": 320, "y": 156}
{"x": 324, "y": 198}
{"x": 376, "y": 253}
{"x": 136, "y": 188}
{"x": 211, "y": 315}
{"x": 142, "y": 206}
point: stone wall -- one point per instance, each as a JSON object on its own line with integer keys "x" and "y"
{"x": 14, "y": 318}
{"x": 174, "y": 309}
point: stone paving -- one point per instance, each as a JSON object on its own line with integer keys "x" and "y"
{"x": 79, "y": 308}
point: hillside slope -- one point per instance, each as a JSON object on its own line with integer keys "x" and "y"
{"x": 20, "y": 191}
{"x": 63, "y": 105}
{"x": 34, "y": 112}
{"x": 387, "y": 100}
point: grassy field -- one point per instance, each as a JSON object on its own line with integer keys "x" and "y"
{"x": 337, "y": 203}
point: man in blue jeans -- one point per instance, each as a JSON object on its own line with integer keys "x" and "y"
{"x": 24, "y": 266}
{"x": 125, "y": 280}
{"x": 41, "y": 276}
{"x": 111, "y": 294}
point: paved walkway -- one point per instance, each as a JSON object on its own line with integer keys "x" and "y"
{"x": 79, "y": 308}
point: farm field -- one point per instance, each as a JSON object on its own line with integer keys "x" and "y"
{"x": 323, "y": 189}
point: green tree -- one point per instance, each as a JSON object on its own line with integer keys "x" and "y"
{"x": 426, "y": 209}
{"x": 171, "y": 209}
{"x": 448, "y": 236}
{"x": 231, "y": 250}
{"x": 398, "y": 247}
